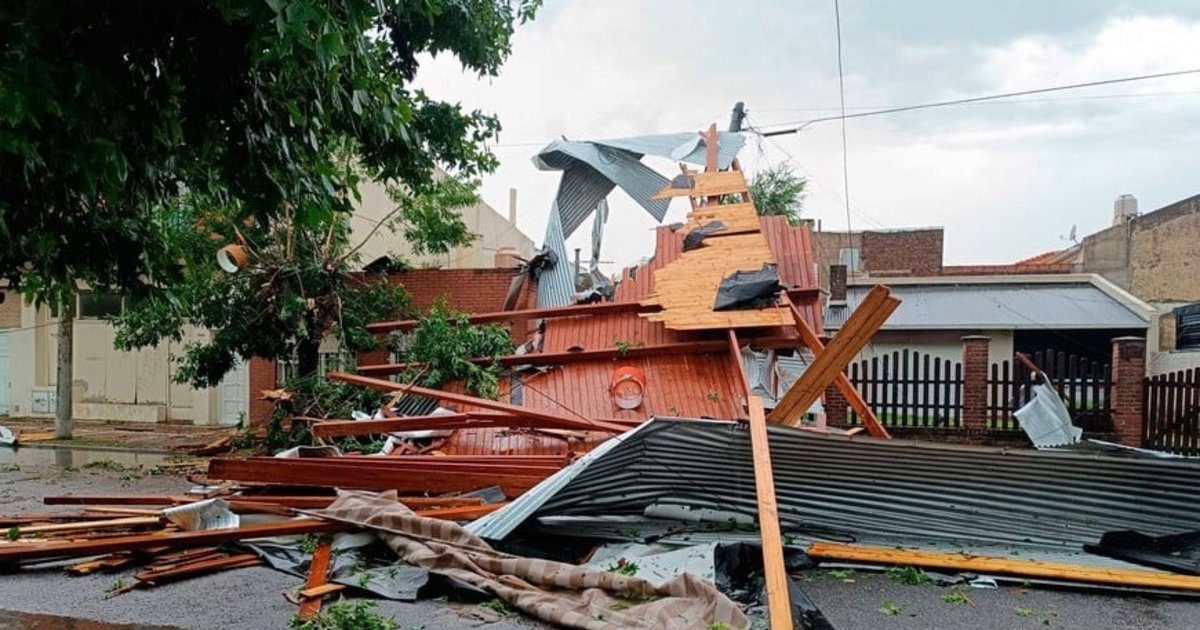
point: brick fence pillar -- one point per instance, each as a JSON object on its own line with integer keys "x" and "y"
{"x": 1128, "y": 373}
{"x": 835, "y": 407}
{"x": 974, "y": 387}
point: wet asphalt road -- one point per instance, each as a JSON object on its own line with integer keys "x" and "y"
{"x": 253, "y": 598}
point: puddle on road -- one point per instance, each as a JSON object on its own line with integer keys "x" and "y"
{"x": 75, "y": 457}
{"x": 26, "y": 621}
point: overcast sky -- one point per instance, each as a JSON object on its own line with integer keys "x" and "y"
{"x": 1007, "y": 180}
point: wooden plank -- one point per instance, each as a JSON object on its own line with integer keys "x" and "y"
{"x": 1003, "y": 565}
{"x": 36, "y": 549}
{"x": 707, "y": 184}
{"x": 581, "y": 424}
{"x": 202, "y": 566}
{"x": 297, "y": 472}
{"x": 318, "y": 573}
{"x": 132, "y": 521}
{"x": 857, "y": 331}
{"x": 779, "y": 609}
{"x": 556, "y": 358}
{"x": 735, "y": 353}
{"x": 322, "y": 591}
{"x": 576, "y": 310}
{"x": 809, "y": 337}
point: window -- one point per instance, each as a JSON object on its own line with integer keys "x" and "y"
{"x": 1187, "y": 327}
{"x": 99, "y": 305}
{"x": 286, "y": 370}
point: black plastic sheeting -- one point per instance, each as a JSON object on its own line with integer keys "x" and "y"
{"x": 739, "y": 575}
{"x": 1177, "y": 552}
{"x": 697, "y": 236}
{"x": 543, "y": 260}
{"x": 749, "y": 289}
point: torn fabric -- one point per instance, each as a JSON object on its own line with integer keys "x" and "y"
{"x": 563, "y": 594}
{"x": 1045, "y": 418}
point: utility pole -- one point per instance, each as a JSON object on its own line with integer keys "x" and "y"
{"x": 63, "y": 418}
{"x": 737, "y": 116}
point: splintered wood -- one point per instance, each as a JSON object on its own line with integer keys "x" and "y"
{"x": 687, "y": 287}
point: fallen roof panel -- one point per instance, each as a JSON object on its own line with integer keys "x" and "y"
{"x": 868, "y": 487}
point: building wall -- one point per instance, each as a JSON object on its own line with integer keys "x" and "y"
{"x": 1155, "y": 256}
{"x": 903, "y": 252}
{"x": 493, "y": 232}
{"x": 944, "y": 344}
{"x": 10, "y": 309}
{"x": 108, "y": 384}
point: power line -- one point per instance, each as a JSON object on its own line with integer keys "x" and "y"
{"x": 1012, "y": 102}
{"x": 837, "y": 15}
{"x": 803, "y": 124}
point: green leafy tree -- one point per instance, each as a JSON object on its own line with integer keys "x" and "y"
{"x": 778, "y": 191}
{"x": 444, "y": 346}
{"x": 300, "y": 284}
{"x": 113, "y": 109}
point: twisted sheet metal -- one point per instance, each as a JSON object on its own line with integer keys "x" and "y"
{"x": 876, "y": 488}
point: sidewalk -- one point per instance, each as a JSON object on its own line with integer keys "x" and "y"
{"x": 126, "y": 435}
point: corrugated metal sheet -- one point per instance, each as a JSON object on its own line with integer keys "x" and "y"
{"x": 694, "y": 385}
{"x": 591, "y": 171}
{"x": 556, "y": 285}
{"x": 863, "y": 487}
{"x": 997, "y": 306}
{"x": 682, "y": 147}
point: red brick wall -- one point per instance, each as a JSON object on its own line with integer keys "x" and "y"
{"x": 1128, "y": 372}
{"x": 262, "y": 376}
{"x": 902, "y": 252}
{"x": 974, "y": 387}
{"x": 469, "y": 290}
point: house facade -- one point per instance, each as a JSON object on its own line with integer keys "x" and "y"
{"x": 111, "y": 384}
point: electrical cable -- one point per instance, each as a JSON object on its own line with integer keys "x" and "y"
{"x": 803, "y": 124}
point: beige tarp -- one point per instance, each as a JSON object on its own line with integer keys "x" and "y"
{"x": 560, "y": 593}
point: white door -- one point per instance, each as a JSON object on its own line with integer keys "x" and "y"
{"x": 233, "y": 395}
{"x": 5, "y": 373}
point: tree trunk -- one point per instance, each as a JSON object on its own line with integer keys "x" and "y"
{"x": 308, "y": 357}
{"x": 63, "y": 418}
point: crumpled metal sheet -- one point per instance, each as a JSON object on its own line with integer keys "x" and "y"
{"x": 1045, "y": 419}
{"x": 868, "y": 488}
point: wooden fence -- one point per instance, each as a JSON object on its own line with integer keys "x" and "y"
{"x": 1085, "y": 385}
{"x": 1171, "y": 412}
{"x": 909, "y": 389}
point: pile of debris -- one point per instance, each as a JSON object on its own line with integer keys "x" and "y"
{"x": 671, "y": 430}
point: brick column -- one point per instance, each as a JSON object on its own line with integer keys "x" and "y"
{"x": 837, "y": 284}
{"x": 974, "y": 387}
{"x": 1128, "y": 373}
{"x": 835, "y": 406}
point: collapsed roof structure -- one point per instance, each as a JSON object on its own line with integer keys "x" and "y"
{"x": 678, "y": 405}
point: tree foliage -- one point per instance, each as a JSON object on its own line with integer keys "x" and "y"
{"x": 444, "y": 346}
{"x": 299, "y": 285}
{"x": 778, "y": 191}
{"x": 112, "y": 110}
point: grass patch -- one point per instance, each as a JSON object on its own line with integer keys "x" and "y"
{"x": 911, "y": 576}
{"x": 956, "y": 598}
{"x": 890, "y": 608}
{"x": 498, "y": 606}
{"x": 345, "y": 615}
{"x": 841, "y": 574}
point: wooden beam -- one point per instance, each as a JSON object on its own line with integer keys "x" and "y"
{"x": 1023, "y": 567}
{"x": 354, "y": 475}
{"x": 603, "y": 308}
{"x": 555, "y": 358}
{"x": 779, "y": 609}
{"x": 318, "y": 573}
{"x": 132, "y": 521}
{"x": 735, "y": 352}
{"x": 874, "y": 427}
{"x": 858, "y": 330}
{"x": 563, "y": 422}
{"x": 36, "y": 550}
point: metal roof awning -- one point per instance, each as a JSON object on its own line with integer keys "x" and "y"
{"x": 1034, "y": 306}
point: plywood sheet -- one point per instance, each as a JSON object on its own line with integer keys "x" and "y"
{"x": 707, "y": 185}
